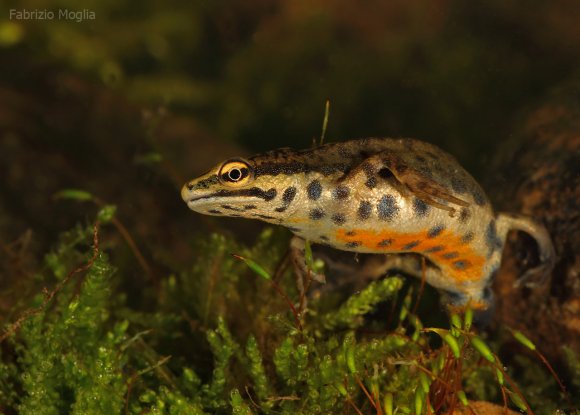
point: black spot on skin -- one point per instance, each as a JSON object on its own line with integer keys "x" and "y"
{"x": 364, "y": 210}
{"x": 190, "y": 186}
{"x": 411, "y": 245}
{"x": 420, "y": 208}
{"x": 435, "y": 231}
{"x": 316, "y": 214}
{"x": 384, "y": 243}
{"x": 350, "y": 233}
{"x": 464, "y": 215}
{"x": 458, "y": 185}
{"x": 250, "y": 207}
{"x": 287, "y": 198}
{"x": 450, "y": 255}
{"x": 492, "y": 241}
{"x": 270, "y": 194}
{"x": 341, "y": 192}
{"x": 437, "y": 248}
{"x": 461, "y": 264}
{"x": 420, "y": 159}
{"x": 352, "y": 244}
{"x": 387, "y": 208}
{"x": 314, "y": 190}
{"x": 479, "y": 197}
{"x": 371, "y": 182}
{"x": 468, "y": 237}
{"x": 369, "y": 171}
{"x": 288, "y": 195}
{"x": 228, "y": 207}
{"x": 215, "y": 211}
{"x": 338, "y": 218}
{"x": 491, "y": 234}
{"x": 323, "y": 238}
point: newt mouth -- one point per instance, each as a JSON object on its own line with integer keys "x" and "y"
{"x": 194, "y": 203}
{"x": 253, "y": 193}
{"x": 256, "y": 192}
{"x": 193, "y": 199}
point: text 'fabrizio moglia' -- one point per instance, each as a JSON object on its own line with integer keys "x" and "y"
{"x": 57, "y": 14}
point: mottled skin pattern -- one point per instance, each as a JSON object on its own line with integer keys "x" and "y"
{"x": 379, "y": 196}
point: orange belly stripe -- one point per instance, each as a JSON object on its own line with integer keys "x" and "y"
{"x": 454, "y": 250}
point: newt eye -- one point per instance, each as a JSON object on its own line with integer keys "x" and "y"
{"x": 235, "y": 173}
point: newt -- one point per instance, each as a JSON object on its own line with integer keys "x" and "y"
{"x": 402, "y": 197}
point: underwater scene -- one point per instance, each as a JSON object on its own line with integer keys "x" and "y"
{"x": 290, "y": 207}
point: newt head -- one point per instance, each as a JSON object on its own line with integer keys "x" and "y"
{"x": 233, "y": 188}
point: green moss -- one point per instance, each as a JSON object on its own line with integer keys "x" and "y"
{"x": 257, "y": 371}
{"x": 70, "y": 357}
{"x": 166, "y": 401}
{"x": 573, "y": 359}
{"x": 220, "y": 340}
{"x": 8, "y": 385}
{"x": 239, "y": 406}
{"x": 350, "y": 314}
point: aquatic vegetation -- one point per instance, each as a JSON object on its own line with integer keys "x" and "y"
{"x": 219, "y": 339}
{"x": 150, "y": 317}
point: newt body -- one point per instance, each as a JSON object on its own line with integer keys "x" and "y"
{"x": 379, "y": 196}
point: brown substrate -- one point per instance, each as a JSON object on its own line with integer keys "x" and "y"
{"x": 540, "y": 177}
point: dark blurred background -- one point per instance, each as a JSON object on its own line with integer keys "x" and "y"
{"x": 127, "y": 100}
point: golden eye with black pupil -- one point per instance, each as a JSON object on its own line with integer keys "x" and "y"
{"x": 235, "y": 173}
